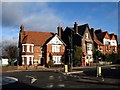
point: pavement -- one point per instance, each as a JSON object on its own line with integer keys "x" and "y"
{"x": 81, "y": 77}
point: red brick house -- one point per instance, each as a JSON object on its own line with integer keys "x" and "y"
{"x": 80, "y": 36}
{"x": 109, "y": 41}
{"x": 113, "y": 43}
{"x": 37, "y": 48}
{"x": 96, "y": 43}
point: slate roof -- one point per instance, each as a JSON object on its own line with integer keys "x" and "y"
{"x": 101, "y": 35}
{"x": 81, "y": 29}
{"x": 94, "y": 37}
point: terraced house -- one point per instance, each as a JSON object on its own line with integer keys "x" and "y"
{"x": 89, "y": 39}
{"x": 37, "y": 48}
{"x": 109, "y": 41}
{"x": 80, "y": 37}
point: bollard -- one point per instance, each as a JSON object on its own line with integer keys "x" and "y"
{"x": 66, "y": 68}
{"x": 98, "y": 71}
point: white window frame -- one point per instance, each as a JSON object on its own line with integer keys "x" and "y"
{"x": 23, "y": 50}
{"x": 56, "y": 48}
{"x": 28, "y": 58}
{"x": 57, "y": 59}
{"x": 28, "y": 47}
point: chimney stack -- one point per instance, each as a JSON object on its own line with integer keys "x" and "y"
{"x": 76, "y": 27}
{"x": 22, "y": 27}
{"x": 59, "y": 28}
{"x": 92, "y": 30}
{"x": 21, "y": 34}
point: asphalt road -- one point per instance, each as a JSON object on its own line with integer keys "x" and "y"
{"x": 106, "y": 72}
{"x": 40, "y": 79}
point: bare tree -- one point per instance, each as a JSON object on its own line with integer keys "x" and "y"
{"x": 11, "y": 52}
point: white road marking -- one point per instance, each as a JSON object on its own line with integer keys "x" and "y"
{"x": 50, "y": 85}
{"x": 61, "y": 85}
{"x": 8, "y": 80}
{"x": 113, "y": 67}
{"x": 32, "y": 79}
{"x": 51, "y": 77}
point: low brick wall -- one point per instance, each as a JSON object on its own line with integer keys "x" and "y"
{"x": 10, "y": 68}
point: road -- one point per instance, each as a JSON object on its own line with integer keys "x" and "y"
{"x": 46, "y": 79}
{"x": 107, "y": 72}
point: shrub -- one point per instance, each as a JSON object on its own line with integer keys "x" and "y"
{"x": 50, "y": 63}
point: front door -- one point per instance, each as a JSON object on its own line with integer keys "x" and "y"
{"x": 83, "y": 62}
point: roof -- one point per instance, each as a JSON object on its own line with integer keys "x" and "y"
{"x": 94, "y": 37}
{"x": 81, "y": 29}
{"x": 111, "y": 35}
{"x": 115, "y": 37}
{"x": 101, "y": 35}
{"x": 37, "y": 38}
{"x": 98, "y": 42}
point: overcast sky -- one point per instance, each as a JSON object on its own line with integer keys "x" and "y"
{"x": 44, "y": 16}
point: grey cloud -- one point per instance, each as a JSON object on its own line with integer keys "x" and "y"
{"x": 11, "y": 14}
{"x": 35, "y": 16}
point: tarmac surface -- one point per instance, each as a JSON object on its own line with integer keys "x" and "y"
{"x": 77, "y": 74}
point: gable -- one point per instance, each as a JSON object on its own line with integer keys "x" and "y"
{"x": 55, "y": 40}
{"x": 87, "y": 33}
{"x": 113, "y": 38}
{"x": 107, "y": 36}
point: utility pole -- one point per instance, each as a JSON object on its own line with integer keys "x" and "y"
{"x": 71, "y": 49}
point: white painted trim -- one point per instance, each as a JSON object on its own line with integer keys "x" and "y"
{"x": 28, "y": 44}
{"x": 23, "y": 48}
{"x": 23, "y": 61}
{"x": 55, "y": 49}
{"x": 28, "y": 47}
{"x": 57, "y": 58}
{"x": 27, "y": 55}
{"x": 56, "y": 36}
{"x": 32, "y": 49}
{"x": 113, "y": 43}
{"x": 104, "y": 40}
{"x": 28, "y": 58}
